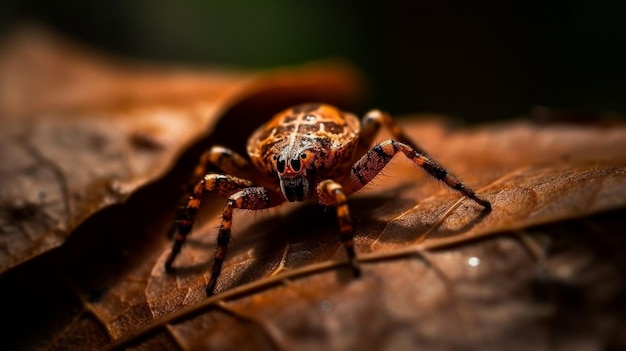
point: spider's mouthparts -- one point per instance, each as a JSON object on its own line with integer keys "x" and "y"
{"x": 295, "y": 188}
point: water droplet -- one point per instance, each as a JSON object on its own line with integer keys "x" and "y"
{"x": 473, "y": 261}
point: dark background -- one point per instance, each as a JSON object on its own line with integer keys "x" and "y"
{"x": 475, "y": 60}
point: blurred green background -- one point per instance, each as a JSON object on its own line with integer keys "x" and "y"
{"x": 476, "y": 60}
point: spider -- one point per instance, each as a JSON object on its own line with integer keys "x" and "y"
{"x": 310, "y": 151}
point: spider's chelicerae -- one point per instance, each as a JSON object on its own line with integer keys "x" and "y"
{"x": 311, "y": 151}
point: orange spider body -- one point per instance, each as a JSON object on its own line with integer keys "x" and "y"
{"x": 303, "y": 146}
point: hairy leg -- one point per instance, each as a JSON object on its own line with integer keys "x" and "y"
{"x": 253, "y": 198}
{"x": 366, "y": 168}
{"x": 371, "y": 124}
{"x": 228, "y": 161}
{"x": 222, "y": 184}
{"x": 331, "y": 194}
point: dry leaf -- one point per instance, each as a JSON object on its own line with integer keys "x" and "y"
{"x": 80, "y": 132}
{"x": 543, "y": 270}
{"x": 428, "y": 285}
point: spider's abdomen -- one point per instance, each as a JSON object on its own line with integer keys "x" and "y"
{"x": 328, "y": 134}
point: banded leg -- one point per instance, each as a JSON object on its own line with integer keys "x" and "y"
{"x": 228, "y": 161}
{"x": 330, "y": 193}
{"x": 366, "y": 168}
{"x": 253, "y": 198}
{"x": 222, "y": 184}
{"x": 370, "y": 126}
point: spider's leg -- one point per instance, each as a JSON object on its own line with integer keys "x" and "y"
{"x": 252, "y": 198}
{"x": 227, "y": 160}
{"x": 222, "y": 184}
{"x": 370, "y": 126}
{"x": 330, "y": 193}
{"x": 366, "y": 168}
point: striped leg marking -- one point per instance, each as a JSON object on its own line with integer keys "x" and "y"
{"x": 377, "y": 158}
{"x": 370, "y": 125}
{"x": 253, "y": 198}
{"x": 222, "y": 184}
{"x": 330, "y": 193}
{"x": 228, "y": 161}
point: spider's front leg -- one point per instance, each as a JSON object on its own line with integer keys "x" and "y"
{"x": 330, "y": 193}
{"x": 377, "y": 157}
{"x": 222, "y": 184}
{"x": 253, "y": 198}
{"x": 226, "y": 160}
{"x": 241, "y": 195}
{"x": 366, "y": 168}
{"x": 371, "y": 124}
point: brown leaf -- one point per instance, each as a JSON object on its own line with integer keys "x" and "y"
{"x": 543, "y": 270}
{"x": 81, "y": 131}
{"x": 458, "y": 294}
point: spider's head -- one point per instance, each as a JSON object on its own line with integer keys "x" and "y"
{"x": 295, "y": 174}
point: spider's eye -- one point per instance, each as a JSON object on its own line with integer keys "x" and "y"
{"x": 295, "y": 164}
{"x": 280, "y": 166}
{"x": 303, "y": 155}
{"x": 274, "y": 157}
